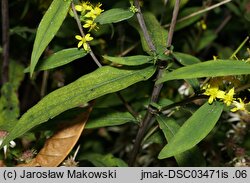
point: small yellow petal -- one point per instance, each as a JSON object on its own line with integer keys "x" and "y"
{"x": 210, "y": 100}
{"x": 78, "y": 37}
{"x": 79, "y": 44}
{"x": 85, "y": 46}
{"x": 88, "y": 37}
{"x": 220, "y": 94}
{"x": 79, "y": 8}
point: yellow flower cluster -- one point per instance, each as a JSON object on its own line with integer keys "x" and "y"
{"x": 214, "y": 91}
{"x": 88, "y": 15}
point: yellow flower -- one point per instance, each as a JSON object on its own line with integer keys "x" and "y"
{"x": 90, "y": 24}
{"x": 83, "y": 41}
{"x": 84, "y": 6}
{"x": 214, "y": 93}
{"x": 238, "y": 106}
{"x": 228, "y": 97}
{"x": 94, "y": 12}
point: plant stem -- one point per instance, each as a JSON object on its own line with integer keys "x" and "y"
{"x": 5, "y": 40}
{"x": 83, "y": 35}
{"x": 143, "y": 26}
{"x": 128, "y": 107}
{"x": 44, "y": 83}
{"x": 200, "y": 12}
{"x": 181, "y": 103}
{"x": 239, "y": 48}
{"x": 155, "y": 94}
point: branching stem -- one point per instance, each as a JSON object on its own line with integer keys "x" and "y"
{"x": 157, "y": 87}
{"x": 83, "y": 35}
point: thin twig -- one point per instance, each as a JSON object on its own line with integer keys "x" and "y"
{"x": 125, "y": 52}
{"x": 155, "y": 94}
{"x": 183, "y": 102}
{"x": 200, "y": 12}
{"x": 44, "y": 83}
{"x": 173, "y": 22}
{"x": 5, "y": 40}
{"x": 128, "y": 107}
{"x": 223, "y": 24}
{"x": 244, "y": 87}
{"x": 143, "y": 26}
{"x": 239, "y": 48}
{"x": 83, "y": 35}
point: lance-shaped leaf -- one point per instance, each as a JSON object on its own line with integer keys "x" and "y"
{"x": 208, "y": 69}
{"x": 185, "y": 59}
{"x": 130, "y": 60}
{"x": 59, "y": 58}
{"x": 108, "y": 117}
{"x": 113, "y": 16}
{"x": 91, "y": 86}
{"x": 193, "y": 130}
{"x": 192, "y": 157}
{"x": 59, "y": 145}
{"x": 48, "y": 27}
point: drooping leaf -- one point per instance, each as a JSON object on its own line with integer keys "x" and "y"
{"x": 113, "y": 16}
{"x": 130, "y": 60}
{"x": 193, "y": 130}
{"x": 108, "y": 117}
{"x": 58, "y": 146}
{"x": 59, "y": 58}
{"x": 185, "y": 59}
{"x": 100, "y": 160}
{"x": 208, "y": 69}
{"x": 48, "y": 27}
{"x": 91, "y": 86}
{"x": 157, "y": 33}
{"x": 192, "y": 157}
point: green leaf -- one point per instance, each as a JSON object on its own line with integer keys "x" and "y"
{"x": 91, "y": 86}
{"x": 130, "y": 60}
{"x": 48, "y": 27}
{"x": 59, "y": 58}
{"x": 108, "y": 117}
{"x": 185, "y": 59}
{"x": 100, "y": 160}
{"x": 156, "y": 137}
{"x": 207, "y": 38}
{"x": 189, "y": 21}
{"x": 16, "y": 74}
{"x": 208, "y": 69}
{"x": 9, "y": 107}
{"x": 193, "y": 130}
{"x": 113, "y": 16}
{"x": 9, "y": 103}
{"x": 157, "y": 33}
{"x": 192, "y": 157}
